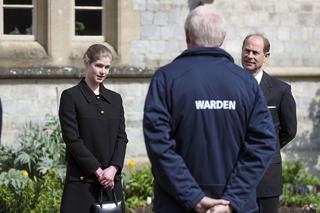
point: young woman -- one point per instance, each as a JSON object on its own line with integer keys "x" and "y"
{"x": 93, "y": 129}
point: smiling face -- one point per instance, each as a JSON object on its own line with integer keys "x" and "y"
{"x": 253, "y": 55}
{"x": 97, "y": 71}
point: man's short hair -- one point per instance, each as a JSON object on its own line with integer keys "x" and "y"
{"x": 205, "y": 27}
{"x": 266, "y": 43}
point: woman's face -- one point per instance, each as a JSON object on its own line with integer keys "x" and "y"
{"x": 97, "y": 71}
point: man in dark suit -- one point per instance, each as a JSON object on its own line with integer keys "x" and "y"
{"x": 255, "y": 53}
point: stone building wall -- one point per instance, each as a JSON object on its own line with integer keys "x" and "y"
{"x": 306, "y": 145}
{"x": 32, "y": 100}
{"x": 150, "y": 35}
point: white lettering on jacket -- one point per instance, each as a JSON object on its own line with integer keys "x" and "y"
{"x": 215, "y": 104}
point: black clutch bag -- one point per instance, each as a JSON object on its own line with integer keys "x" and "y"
{"x": 114, "y": 206}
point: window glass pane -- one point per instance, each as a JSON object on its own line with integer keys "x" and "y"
{"x": 88, "y": 2}
{"x": 17, "y": 1}
{"x": 88, "y": 22}
{"x": 17, "y": 21}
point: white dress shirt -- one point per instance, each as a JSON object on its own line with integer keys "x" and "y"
{"x": 258, "y": 76}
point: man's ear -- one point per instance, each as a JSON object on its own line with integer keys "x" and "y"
{"x": 267, "y": 54}
{"x": 224, "y": 37}
{"x": 188, "y": 40}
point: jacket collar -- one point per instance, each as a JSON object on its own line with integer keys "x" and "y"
{"x": 202, "y": 51}
{"x": 89, "y": 94}
{"x": 105, "y": 93}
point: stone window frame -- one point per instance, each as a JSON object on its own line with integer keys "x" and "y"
{"x": 90, "y": 8}
{"x": 55, "y": 51}
{"x": 12, "y": 44}
{"x": 32, "y": 7}
{"x": 41, "y": 46}
{"x": 109, "y": 26}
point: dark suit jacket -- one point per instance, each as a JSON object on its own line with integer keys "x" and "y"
{"x": 283, "y": 110}
{"x": 93, "y": 130}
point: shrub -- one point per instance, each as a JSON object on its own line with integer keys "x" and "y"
{"x": 49, "y": 194}
{"x": 300, "y": 188}
{"x": 14, "y": 179}
{"x": 41, "y": 148}
{"x": 138, "y": 189}
{"x": 31, "y": 173}
{"x": 37, "y": 195}
{"x": 7, "y": 156}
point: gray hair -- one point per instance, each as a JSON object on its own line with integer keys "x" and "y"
{"x": 205, "y": 27}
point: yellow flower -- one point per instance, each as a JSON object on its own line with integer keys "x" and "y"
{"x": 131, "y": 163}
{"x": 25, "y": 173}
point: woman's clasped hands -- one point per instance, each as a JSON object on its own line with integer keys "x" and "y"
{"x": 106, "y": 176}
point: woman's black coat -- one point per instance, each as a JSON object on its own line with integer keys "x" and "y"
{"x": 93, "y": 129}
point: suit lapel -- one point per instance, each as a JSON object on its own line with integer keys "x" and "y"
{"x": 266, "y": 84}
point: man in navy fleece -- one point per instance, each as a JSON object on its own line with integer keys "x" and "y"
{"x": 208, "y": 132}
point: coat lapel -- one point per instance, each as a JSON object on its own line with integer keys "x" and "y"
{"x": 105, "y": 93}
{"x": 86, "y": 91}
